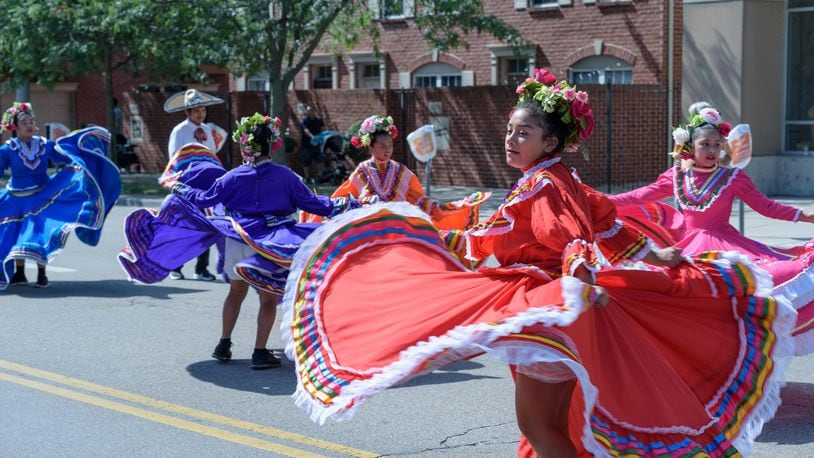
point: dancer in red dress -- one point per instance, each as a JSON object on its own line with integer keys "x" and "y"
{"x": 682, "y": 362}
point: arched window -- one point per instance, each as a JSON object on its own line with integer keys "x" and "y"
{"x": 601, "y": 70}
{"x": 437, "y": 74}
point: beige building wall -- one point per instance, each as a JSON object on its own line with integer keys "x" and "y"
{"x": 734, "y": 59}
{"x": 713, "y": 56}
{"x": 762, "y": 83}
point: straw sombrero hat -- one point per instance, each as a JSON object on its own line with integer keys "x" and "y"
{"x": 189, "y": 99}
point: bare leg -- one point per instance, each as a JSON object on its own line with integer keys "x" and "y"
{"x": 265, "y": 318}
{"x": 231, "y": 306}
{"x": 542, "y": 415}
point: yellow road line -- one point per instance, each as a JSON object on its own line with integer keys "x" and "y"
{"x": 188, "y": 411}
{"x": 160, "y": 418}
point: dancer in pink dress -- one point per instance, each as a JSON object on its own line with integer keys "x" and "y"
{"x": 705, "y": 192}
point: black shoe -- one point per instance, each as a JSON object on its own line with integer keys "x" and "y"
{"x": 42, "y": 281}
{"x": 222, "y": 352}
{"x": 18, "y": 279}
{"x": 204, "y": 276}
{"x": 264, "y": 359}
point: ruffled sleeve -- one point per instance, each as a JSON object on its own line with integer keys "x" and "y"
{"x": 616, "y": 240}
{"x": 557, "y": 226}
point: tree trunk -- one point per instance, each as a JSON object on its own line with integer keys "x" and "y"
{"x": 23, "y": 93}
{"x": 110, "y": 119}
{"x": 279, "y": 102}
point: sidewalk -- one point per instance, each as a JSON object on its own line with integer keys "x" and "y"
{"x": 756, "y": 226}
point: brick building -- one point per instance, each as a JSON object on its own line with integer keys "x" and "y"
{"x": 465, "y": 93}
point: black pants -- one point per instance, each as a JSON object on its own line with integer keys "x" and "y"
{"x": 201, "y": 264}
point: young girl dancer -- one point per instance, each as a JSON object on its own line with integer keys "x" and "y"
{"x": 704, "y": 192}
{"x": 392, "y": 181}
{"x": 608, "y": 362}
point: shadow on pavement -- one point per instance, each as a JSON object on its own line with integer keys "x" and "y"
{"x": 449, "y": 374}
{"x": 237, "y": 374}
{"x": 794, "y": 420}
{"x": 98, "y": 288}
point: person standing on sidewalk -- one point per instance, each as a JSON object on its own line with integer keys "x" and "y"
{"x": 192, "y": 130}
{"x": 311, "y": 156}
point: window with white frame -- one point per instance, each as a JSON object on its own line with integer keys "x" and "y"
{"x": 601, "y": 70}
{"x": 391, "y": 9}
{"x": 257, "y": 82}
{"x": 513, "y": 70}
{"x": 539, "y": 3}
{"x": 369, "y": 76}
{"x": 323, "y": 76}
{"x": 437, "y": 75}
{"x": 798, "y": 131}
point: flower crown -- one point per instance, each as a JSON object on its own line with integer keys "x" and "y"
{"x": 561, "y": 98}
{"x": 370, "y": 127}
{"x": 11, "y": 114}
{"x": 683, "y": 134}
{"x": 244, "y": 135}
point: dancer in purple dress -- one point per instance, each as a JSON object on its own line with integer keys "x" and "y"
{"x": 257, "y": 200}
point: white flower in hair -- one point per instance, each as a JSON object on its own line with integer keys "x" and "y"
{"x": 681, "y": 136}
{"x": 711, "y": 116}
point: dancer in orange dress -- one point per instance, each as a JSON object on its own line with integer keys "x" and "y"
{"x": 392, "y": 181}
{"x": 682, "y": 362}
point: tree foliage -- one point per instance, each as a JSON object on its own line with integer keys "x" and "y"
{"x": 278, "y": 37}
{"x": 51, "y": 40}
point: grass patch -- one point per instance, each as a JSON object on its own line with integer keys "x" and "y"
{"x": 140, "y": 188}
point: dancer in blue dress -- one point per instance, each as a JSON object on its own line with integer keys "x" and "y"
{"x": 38, "y": 211}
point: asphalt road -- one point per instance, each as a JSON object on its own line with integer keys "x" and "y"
{"x": 98, "y": 366}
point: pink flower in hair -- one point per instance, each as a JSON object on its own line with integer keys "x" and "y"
{"x": 544, "y": 76}
{"x": 582, "y": 96}
{"x": 277, "y": 144}
{"x": 244, "y": 138}
{"x": 355, "y": 142}
{"x": 569, "y": 93}
{"x": 368, "y": 125}
{"x": 710, "y": 115}
{"x": 520, "y": 89}
{"x": 393, "y": 131}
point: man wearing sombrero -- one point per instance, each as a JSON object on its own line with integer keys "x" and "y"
{"x": 192, "y": 130}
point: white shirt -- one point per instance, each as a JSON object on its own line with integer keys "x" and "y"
{"x": 184, "y": 133}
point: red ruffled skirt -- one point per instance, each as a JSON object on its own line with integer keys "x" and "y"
{"x": 679, "y": 363}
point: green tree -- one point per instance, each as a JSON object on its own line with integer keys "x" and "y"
{"x": 55, "y": 39}
{"x": 278, "y": 37}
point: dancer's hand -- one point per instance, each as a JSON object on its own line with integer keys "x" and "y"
{"x": 667, "y": 257}
{"x": 807, "y": 217}
{"x": 602, "y": 297}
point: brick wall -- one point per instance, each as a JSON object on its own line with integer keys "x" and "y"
{"x": 478, "y": 115}
{"x": 633, "y": 31}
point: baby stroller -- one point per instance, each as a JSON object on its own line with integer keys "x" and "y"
{"x": 126, "y": 155}
{"x": 337, "y": 165}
